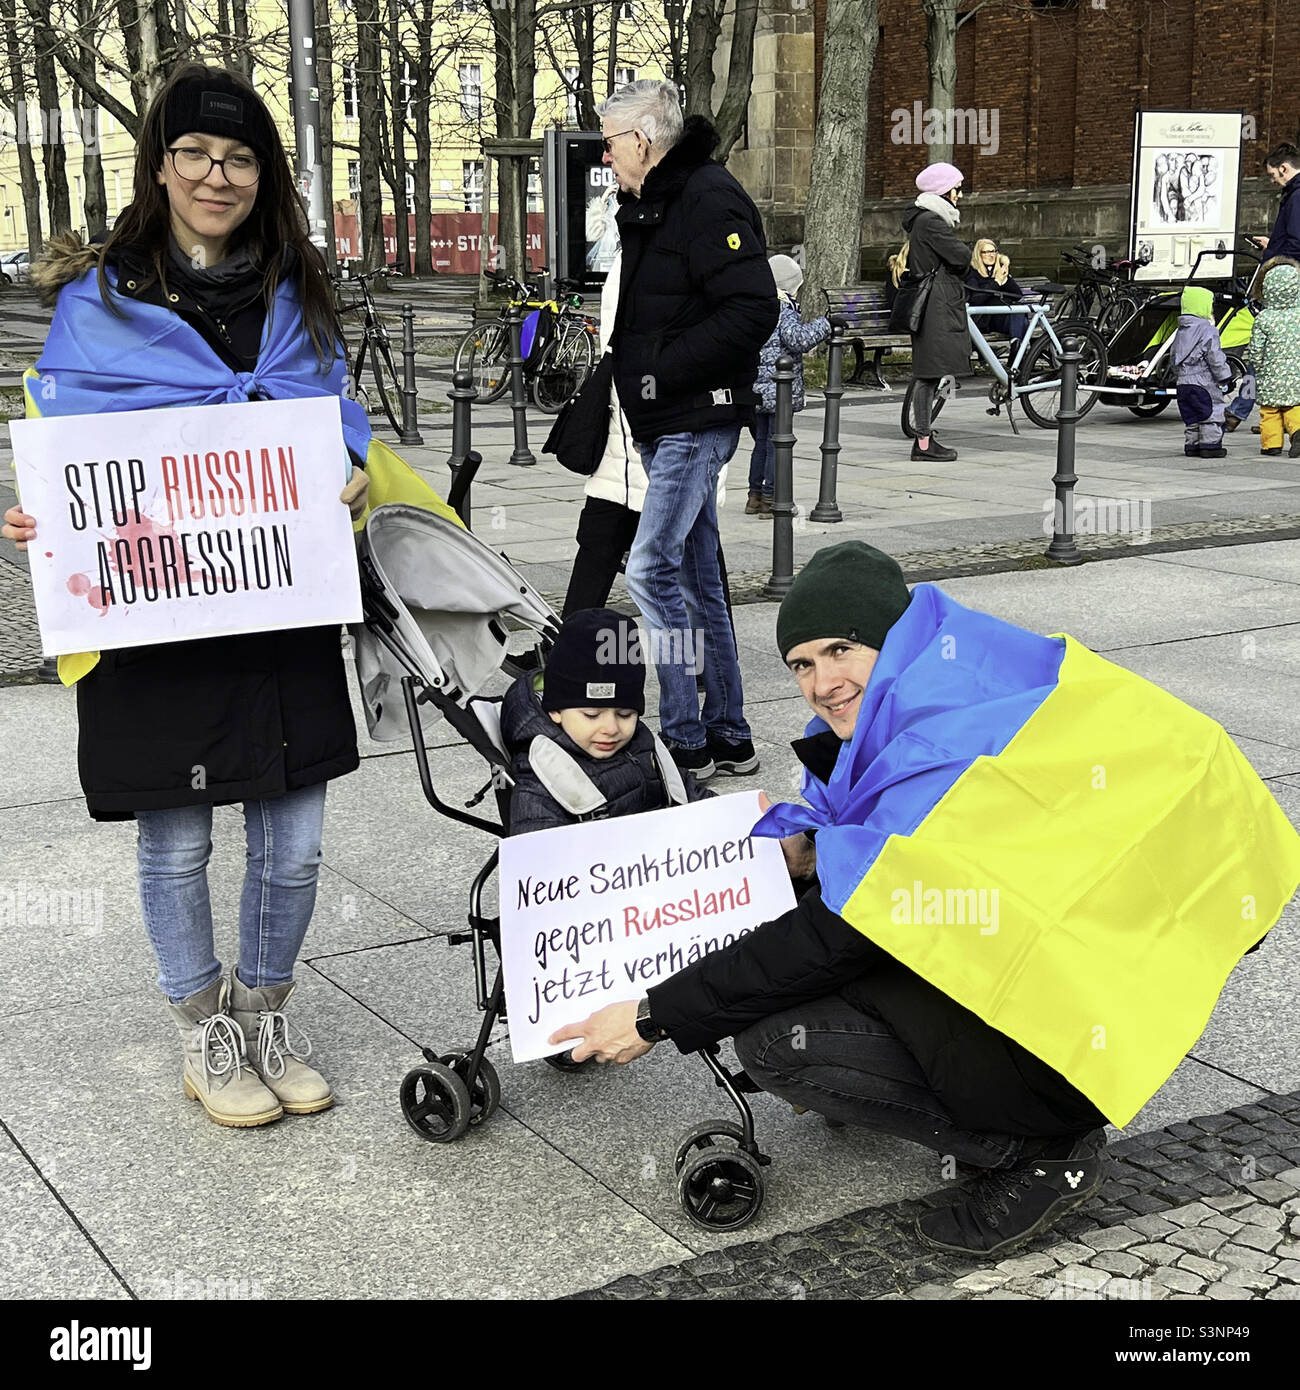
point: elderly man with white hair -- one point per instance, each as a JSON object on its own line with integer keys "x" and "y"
{"x": 696, "y": 303}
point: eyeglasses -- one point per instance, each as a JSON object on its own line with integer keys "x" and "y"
{"x": 194, "y": 165}
{"x": 615, "y": 136}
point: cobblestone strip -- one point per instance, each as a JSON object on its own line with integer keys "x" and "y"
{"x": 1205, "y": 1209}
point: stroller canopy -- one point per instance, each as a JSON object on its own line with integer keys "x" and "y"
{"x": 437, "y": 601}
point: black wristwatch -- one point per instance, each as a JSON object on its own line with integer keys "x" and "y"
{"x": 646, "y": 1027}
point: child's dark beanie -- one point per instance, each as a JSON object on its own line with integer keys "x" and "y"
{"x": 848, "y": 590}
{"x": 595, "y": 664}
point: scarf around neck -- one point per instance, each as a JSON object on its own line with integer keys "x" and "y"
{"x": 931, "y": 202}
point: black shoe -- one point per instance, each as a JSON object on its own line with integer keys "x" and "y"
{"x": 1218, "y": 452}
{"x": 1193, "y": 451}
{"x": 1004, "y": 1207}
{"x": 1231, "y": 421}
{"x": 737, "y": 758}
{"x": 1278, "y": 450}
{"x": 937, "y": 452}
{"x": 1295, "y": 446}
{"x": 696, "y": 761}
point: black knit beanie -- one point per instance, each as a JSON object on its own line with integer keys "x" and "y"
{"x": 596, "y": 663}
{"x": 218, "y": 106}
{"x": 848, "y": 590}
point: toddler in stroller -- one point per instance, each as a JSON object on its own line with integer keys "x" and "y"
{"x": 438, "y": 604}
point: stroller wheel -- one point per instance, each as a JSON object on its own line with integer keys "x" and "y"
{"x": 563, "y": 1061}
{"x": 721, "y": 1190}
{"x": 436, "y": 1103}
{"x": 703, "y": 1137}
{"x": 485, "y": 1093}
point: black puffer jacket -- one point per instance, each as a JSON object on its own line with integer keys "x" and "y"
{"x": 696, "y": 299}
{"x": 986, "y": 1081}
{"x": 629, "y": 781}
{"x": 223, "y": 719}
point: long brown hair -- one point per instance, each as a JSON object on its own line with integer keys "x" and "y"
{"x": 276, "y": 219}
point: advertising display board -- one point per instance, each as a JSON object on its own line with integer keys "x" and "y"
{"x": 1186, "y": 178}
{"x": 581, "y": 199}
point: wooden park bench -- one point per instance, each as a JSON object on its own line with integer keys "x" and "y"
{"x": 866, "y": 318}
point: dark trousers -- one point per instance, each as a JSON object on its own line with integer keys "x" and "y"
{"x": 833, "y": 1057}
{"x": 606, "y": 531}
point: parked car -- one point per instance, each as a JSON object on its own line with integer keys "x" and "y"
{"x": 15, "y": 267}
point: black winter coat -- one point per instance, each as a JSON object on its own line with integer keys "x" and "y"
{"x": 629, "y": 781}
{"x": 984, "y": 290}
{"x": 222, "y": 719}
{"x": 986, "y": 1081}
{"x": 696, "y": 299}
{"x": 942, "y": 347}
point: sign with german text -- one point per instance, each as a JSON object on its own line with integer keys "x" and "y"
{"x": 597, "y": 913}
{"x": 164, "y": 525}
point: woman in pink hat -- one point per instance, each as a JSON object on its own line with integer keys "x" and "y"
{"x": 942, "y": 345}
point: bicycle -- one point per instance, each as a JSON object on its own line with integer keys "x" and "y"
{"x": 1033, "y": 372}
{"x": 1101, "y": 293}
{"x": 374, "y": 335}
{"x": 556, "y": 343}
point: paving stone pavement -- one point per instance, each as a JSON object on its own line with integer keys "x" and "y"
{"x": 1208, "y": 1208}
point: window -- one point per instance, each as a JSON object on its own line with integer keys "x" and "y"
{"x": 471, "y": 91}
{"x": 471, "y": 183}
{"x": 349, "y": 91}
{"x": 571, "y": 87}
{"x": 117, "y": 191}
{"x": 79, "y": 206}
{"x": 466, "y": 6}
{"x": 622, "y": 76}
{"x": 408, "y": 86}
{"x": 354, "y": 178}
{"x": 627, "y": 10}
{"x": 534, "y": 191}
{"x": 410, "y": 192}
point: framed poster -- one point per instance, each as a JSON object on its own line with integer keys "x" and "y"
{"x": 1185, "y": 189}
{"x": 197, "y": 521}
{"x": 581, "y": 199}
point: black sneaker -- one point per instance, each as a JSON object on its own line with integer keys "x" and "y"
{"x": 1004, "y": 1207}
{"x": 696, "y": 761}
{"x": 1295, "y": 446}
{"x": 737, "y": 758}
{"x": 1208, "y": 451}
{"x": 937, "y": 452}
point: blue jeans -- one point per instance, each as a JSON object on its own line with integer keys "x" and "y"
{"x": 762, "y": 463}
{"x": 284, "y": 838}
{"x": 674, "y": 579}
{"x": 832, "y": 1057}
{"x": 1244, "y": 401}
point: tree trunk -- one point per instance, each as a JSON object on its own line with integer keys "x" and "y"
{"x": 239, "y": 13}
{"x": 129, "y": 22}
{"x": 27, "y": 127}
{"x": 584, "y": 46}
{"x": 833, "y": 218}
{"x": 702, "y": 29}
{"x": 370, "y": 218}
{"x": 324, "y": 68}
{"x": 223, "y": 32}
{"x": 52, "y": 153}
{"x": 397, "y": 93}
{"x": 740, "y": 77}
{"x": 92, "y": 168}
{"x": 675, "y": 23}
{"x": 611, "y": 51}
{"x": 941, "y": 53}
{"x": 180, "y": 31}
{"x": 516, "y": 71}
{"x": 423, "y": 143}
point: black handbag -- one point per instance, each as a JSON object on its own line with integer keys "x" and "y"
{"x": 913, "y": 295}
{"x": 581, "y": 429}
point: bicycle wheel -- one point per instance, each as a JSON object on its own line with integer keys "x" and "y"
{"x": 565, "y": 365}
{"x": 1044, "y": 364}
{"x": 484, "y": 352}
{"x": 1115, "y": 314}
{"x": 386, "y": 380}
{"x": 947, "y": 385}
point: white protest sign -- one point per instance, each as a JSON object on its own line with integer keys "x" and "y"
{"x": 161, "y": 525}
{"x": 597, "y": 913}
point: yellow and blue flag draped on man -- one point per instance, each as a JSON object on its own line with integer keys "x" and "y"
{"x": 94, "y": 362}
{"x": 1128, "y": 850}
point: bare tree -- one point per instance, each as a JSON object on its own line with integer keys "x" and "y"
{"x": 395, "y": 162}
{"x": 514, "y": 33}
{"x": 370, "y": 221}
{"x": 95, "y": 202}
{"x": 703, "y": 29}
{"x": 26, "y": 162}
{"x": 52, "y": 154}
{"x": 324, "y": 34}
{"x": 833, "y": 218}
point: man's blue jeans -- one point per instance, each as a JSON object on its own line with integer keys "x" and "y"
{"x": 284, "y": 839}
{"x": 762, "y": 463}
{"x": 673, "y": 577}
{"x": 1244, "y": 401}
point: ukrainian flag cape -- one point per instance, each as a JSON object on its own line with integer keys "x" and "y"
{"x": 1134, "y": 854}
{"x": 94, "y": 361}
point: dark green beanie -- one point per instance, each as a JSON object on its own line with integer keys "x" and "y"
{"x": 848, "y": 590}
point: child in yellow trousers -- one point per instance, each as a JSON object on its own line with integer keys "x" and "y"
{"x": 1275, "y": 353}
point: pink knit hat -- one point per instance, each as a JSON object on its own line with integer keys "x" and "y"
{"x": 938, "y": 178}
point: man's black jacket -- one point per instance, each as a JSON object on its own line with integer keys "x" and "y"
{"x": 986, "y": 1081}
{"x": 696, "y": 300}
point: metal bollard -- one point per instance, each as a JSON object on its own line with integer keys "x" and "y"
{"x": 410, "y": 431}
{"x": 522, "y": 456}
{"x": 1063, "y": 549}
{"x": 827, "y": 509}
{"x": 462, "y": 396}
{"x": 783, "y": 442}
{"x": 458, "y": 498}
{"x": 48, "y": 671}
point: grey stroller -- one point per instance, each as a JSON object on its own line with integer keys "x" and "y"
{"x": 439, "y": 607}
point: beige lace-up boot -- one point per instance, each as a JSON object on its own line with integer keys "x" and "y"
{"x": 217, "y": 1071}
{"x": 281, "y": 1064}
